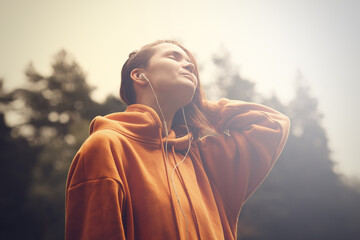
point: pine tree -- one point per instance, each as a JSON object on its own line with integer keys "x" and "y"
{"x": 302, "y": 198}
{"x": 53, "y": 114}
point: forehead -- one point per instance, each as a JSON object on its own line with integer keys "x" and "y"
{"x": 167, "y": 48}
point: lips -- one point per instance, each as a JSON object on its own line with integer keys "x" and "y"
{"x": 187, "y": 75}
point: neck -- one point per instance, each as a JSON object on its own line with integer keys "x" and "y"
{"x": 167, "y": 113}
{"x": 167, "y": 117}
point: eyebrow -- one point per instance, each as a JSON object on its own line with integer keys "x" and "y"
{"x": 178, "y": 54}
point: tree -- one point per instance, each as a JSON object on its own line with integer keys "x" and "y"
{"x": 54, "y": 112}
{"x": 17, "y": 160}
{"x": 302, "y": 198}
{"x": 228, "y": 80}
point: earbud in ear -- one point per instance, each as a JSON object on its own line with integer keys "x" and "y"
{"x": 143, "y": 77}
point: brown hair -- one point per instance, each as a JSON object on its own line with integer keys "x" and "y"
{"x": 197, "y": 122}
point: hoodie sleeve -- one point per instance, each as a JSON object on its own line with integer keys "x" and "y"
{"x": 94, "y": 193}
{"x": 237, "y": 160}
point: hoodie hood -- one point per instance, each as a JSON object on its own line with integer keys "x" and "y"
{"x": 143, "y": 124}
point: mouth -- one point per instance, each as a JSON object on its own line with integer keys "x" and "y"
{"x": 189, "y": 76}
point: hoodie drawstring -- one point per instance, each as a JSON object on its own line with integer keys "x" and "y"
{"x": 187, "y": 194}
{"x": 169, "y": 185}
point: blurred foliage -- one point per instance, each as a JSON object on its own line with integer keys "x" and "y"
{"x": 302, "y": 198}
{"x": 228, "y": 82}
{"x": 48, "y": 120}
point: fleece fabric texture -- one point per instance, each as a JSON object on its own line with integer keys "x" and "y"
{"x": 120, "y": 183}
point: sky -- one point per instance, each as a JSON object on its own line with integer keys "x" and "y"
{"x": 272, "y": 42}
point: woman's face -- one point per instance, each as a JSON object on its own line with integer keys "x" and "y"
{"x": 170, "y": 72}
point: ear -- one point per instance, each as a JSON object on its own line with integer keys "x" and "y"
{"x": 135, "y": 76}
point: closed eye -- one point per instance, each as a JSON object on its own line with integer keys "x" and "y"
{"x": 177, "y": 56}
{"x": 172, "y": 57}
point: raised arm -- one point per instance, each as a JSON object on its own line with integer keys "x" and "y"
{"x": 239, "y": 160}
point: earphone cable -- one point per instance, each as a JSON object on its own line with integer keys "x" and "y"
{"x": 173, "y": 171}
{"x": 167, "y": 157}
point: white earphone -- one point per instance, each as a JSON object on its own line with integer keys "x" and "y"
{"x": 141, "y": 75}
{"x": 144, "y": 77}
{"x": 157, "y": 101}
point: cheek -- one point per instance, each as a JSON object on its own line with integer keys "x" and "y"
{"x": 164, "y": 72}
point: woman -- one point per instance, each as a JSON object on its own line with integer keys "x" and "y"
{"x": 147, "y": 173}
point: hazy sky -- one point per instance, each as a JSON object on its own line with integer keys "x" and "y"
{"x": 270, "y": 40}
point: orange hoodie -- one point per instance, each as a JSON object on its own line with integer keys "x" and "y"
{"x": 119, "y": 184}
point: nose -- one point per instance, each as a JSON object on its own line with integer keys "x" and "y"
{"x": 189, "y": 66}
